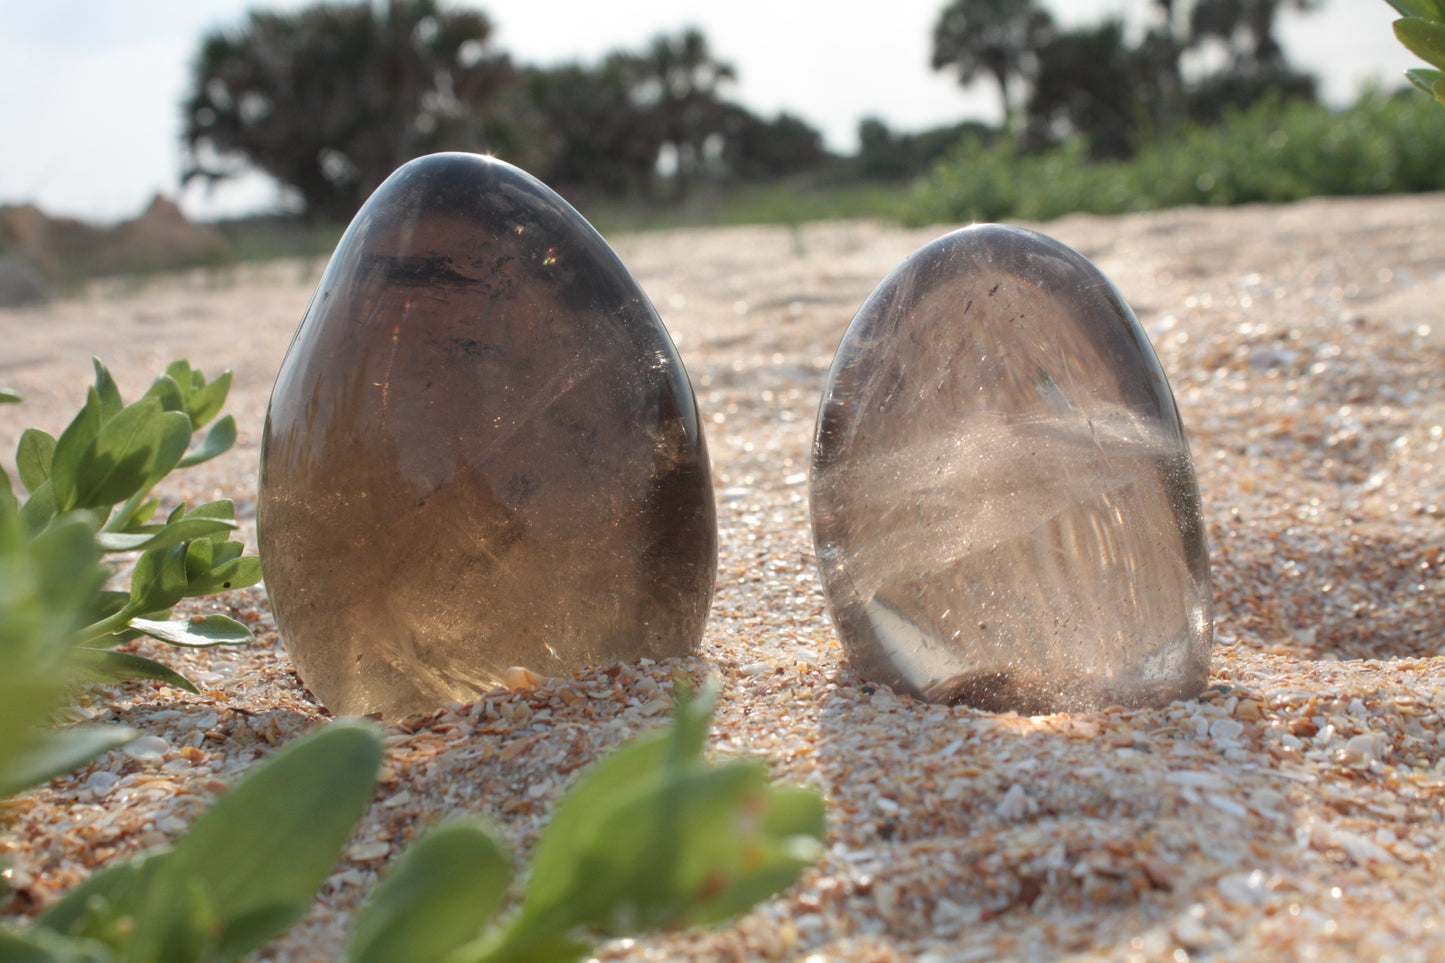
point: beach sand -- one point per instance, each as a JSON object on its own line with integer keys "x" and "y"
{"x": 1295, "y": 811}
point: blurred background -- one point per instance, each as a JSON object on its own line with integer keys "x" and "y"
{"x": 205, "y": 130}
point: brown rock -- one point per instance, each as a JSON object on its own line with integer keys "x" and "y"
{"x": 162, "y": 238}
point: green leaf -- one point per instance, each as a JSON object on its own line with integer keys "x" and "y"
{"x": 1425, "y": 78}
{"x": 271, "y": 840}
{"x": 786, "y": 841}
{"x": 143, "y": 513}
{"x": 158, "y": 580}
{"x": 217, "y": 441}
{"x": 102, "y": 907}
{"x": 15, "y": 948}
{"x": 57, "y": 752}
{"x": 104, "y": 604}
{"x": 165, "y": 390}
{"x": 196, "y": 632}
{"x": 556, "y": 872}
{"x": 1434, "y": 9}
{"x": 185, "y": 530}
{"x": 435, "y": 899}
{"x": 1438, "y": 89}
{"x": 205, "y": 403}
{"x": 67, "y": 563}
{"x": 223, "y": 552}
{"x": 238, "y": 573}
{"x": 9, "y": 396}
{"x": 654, "y": 836}
{"x": 121, "y": 636}
{"x": 795, "y": 812}
{"x": 106, "y": 390}
{"x": 549, "y": 947}
{"x": 1424, "y": 38}
{"x": 33, "y": 457}
{"x": 39, "y": 509}
{"x": 220, "y": 508}
{"x": 69, "y": 448}
{"x": 132, "y": 451}
{"x": 180, "y": 372}
{"x": 43, "y": 946}
{"x": 258, "y": 926}
{"x": 9, "y": 504}
{"x": 199, "y": 559}
{"x": 26, "y": 705}
{"x": 247, "y": 869}
{"x": 674, "y": 853}
{"x": 133, "y": 515}
{"x": 103, "y": 665}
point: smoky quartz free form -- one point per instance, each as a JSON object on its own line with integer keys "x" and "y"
{"x": 1004, "y": 508}
{"x": 482, "y": 451}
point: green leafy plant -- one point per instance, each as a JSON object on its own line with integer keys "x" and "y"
{"x": 1422, "y": 31}
{"x": 100, "y": 473}
{"x": 652, "y": 836}
{"x": 46, "y": 584}
{"x": 1274, "y": 152}
{"x": 89, "y": 497}
{"x": 245, "y": 871}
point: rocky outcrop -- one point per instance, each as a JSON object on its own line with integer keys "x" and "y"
{"x": 21, "y": 284}
{"x": 163, "y": 238}
{"x": 65, "y": 249}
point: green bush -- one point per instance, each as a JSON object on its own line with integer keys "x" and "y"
{"x": 99, "y": 475}
{"x": 1272, "y": 153}
{"x": 88, "y": 496}
{"x": 651, "y": 837}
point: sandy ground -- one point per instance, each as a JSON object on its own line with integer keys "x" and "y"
{"x": 1295, "y": 811}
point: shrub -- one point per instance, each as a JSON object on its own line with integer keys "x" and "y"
{"x": 1272, "y": 153}
{"x": 651, "y": 837}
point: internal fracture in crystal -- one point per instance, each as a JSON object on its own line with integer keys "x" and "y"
{"x": 482, "y": 452}
{"x": 1004, "y": 508}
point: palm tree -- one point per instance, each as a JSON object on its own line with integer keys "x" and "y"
{"x": 994, "y": 37}
{"x": 1256, "y": 64}
{"x": 330, "y": 99}
{"x": 1246, "y": 27}
{"x": 677, "y": 83}
{"x": 591, "y": 136}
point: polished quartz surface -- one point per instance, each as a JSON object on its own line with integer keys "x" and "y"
{"x": 482, "y": 451}
{"x": 1004, "y": 508}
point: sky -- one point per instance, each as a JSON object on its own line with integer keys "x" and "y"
{"x": 90, "y": 90}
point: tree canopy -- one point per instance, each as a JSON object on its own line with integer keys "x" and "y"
{"x": 1118, "y": 88}
{"x": 332, "y": 98}
{"x": 999, "y": 38}
{"x": 329, "y": 99}
{"x": 1089, "y": 82}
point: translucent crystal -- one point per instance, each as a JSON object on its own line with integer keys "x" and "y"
{"x": 482, "y": 452}
{"x": 1004, "y": 508}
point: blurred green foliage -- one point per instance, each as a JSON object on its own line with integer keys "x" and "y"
{"x": 99, "y": 475}
{"x": 1272, "y": 153}
{"x": 651, "y": 837}
{"x": 86, "y": 495}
